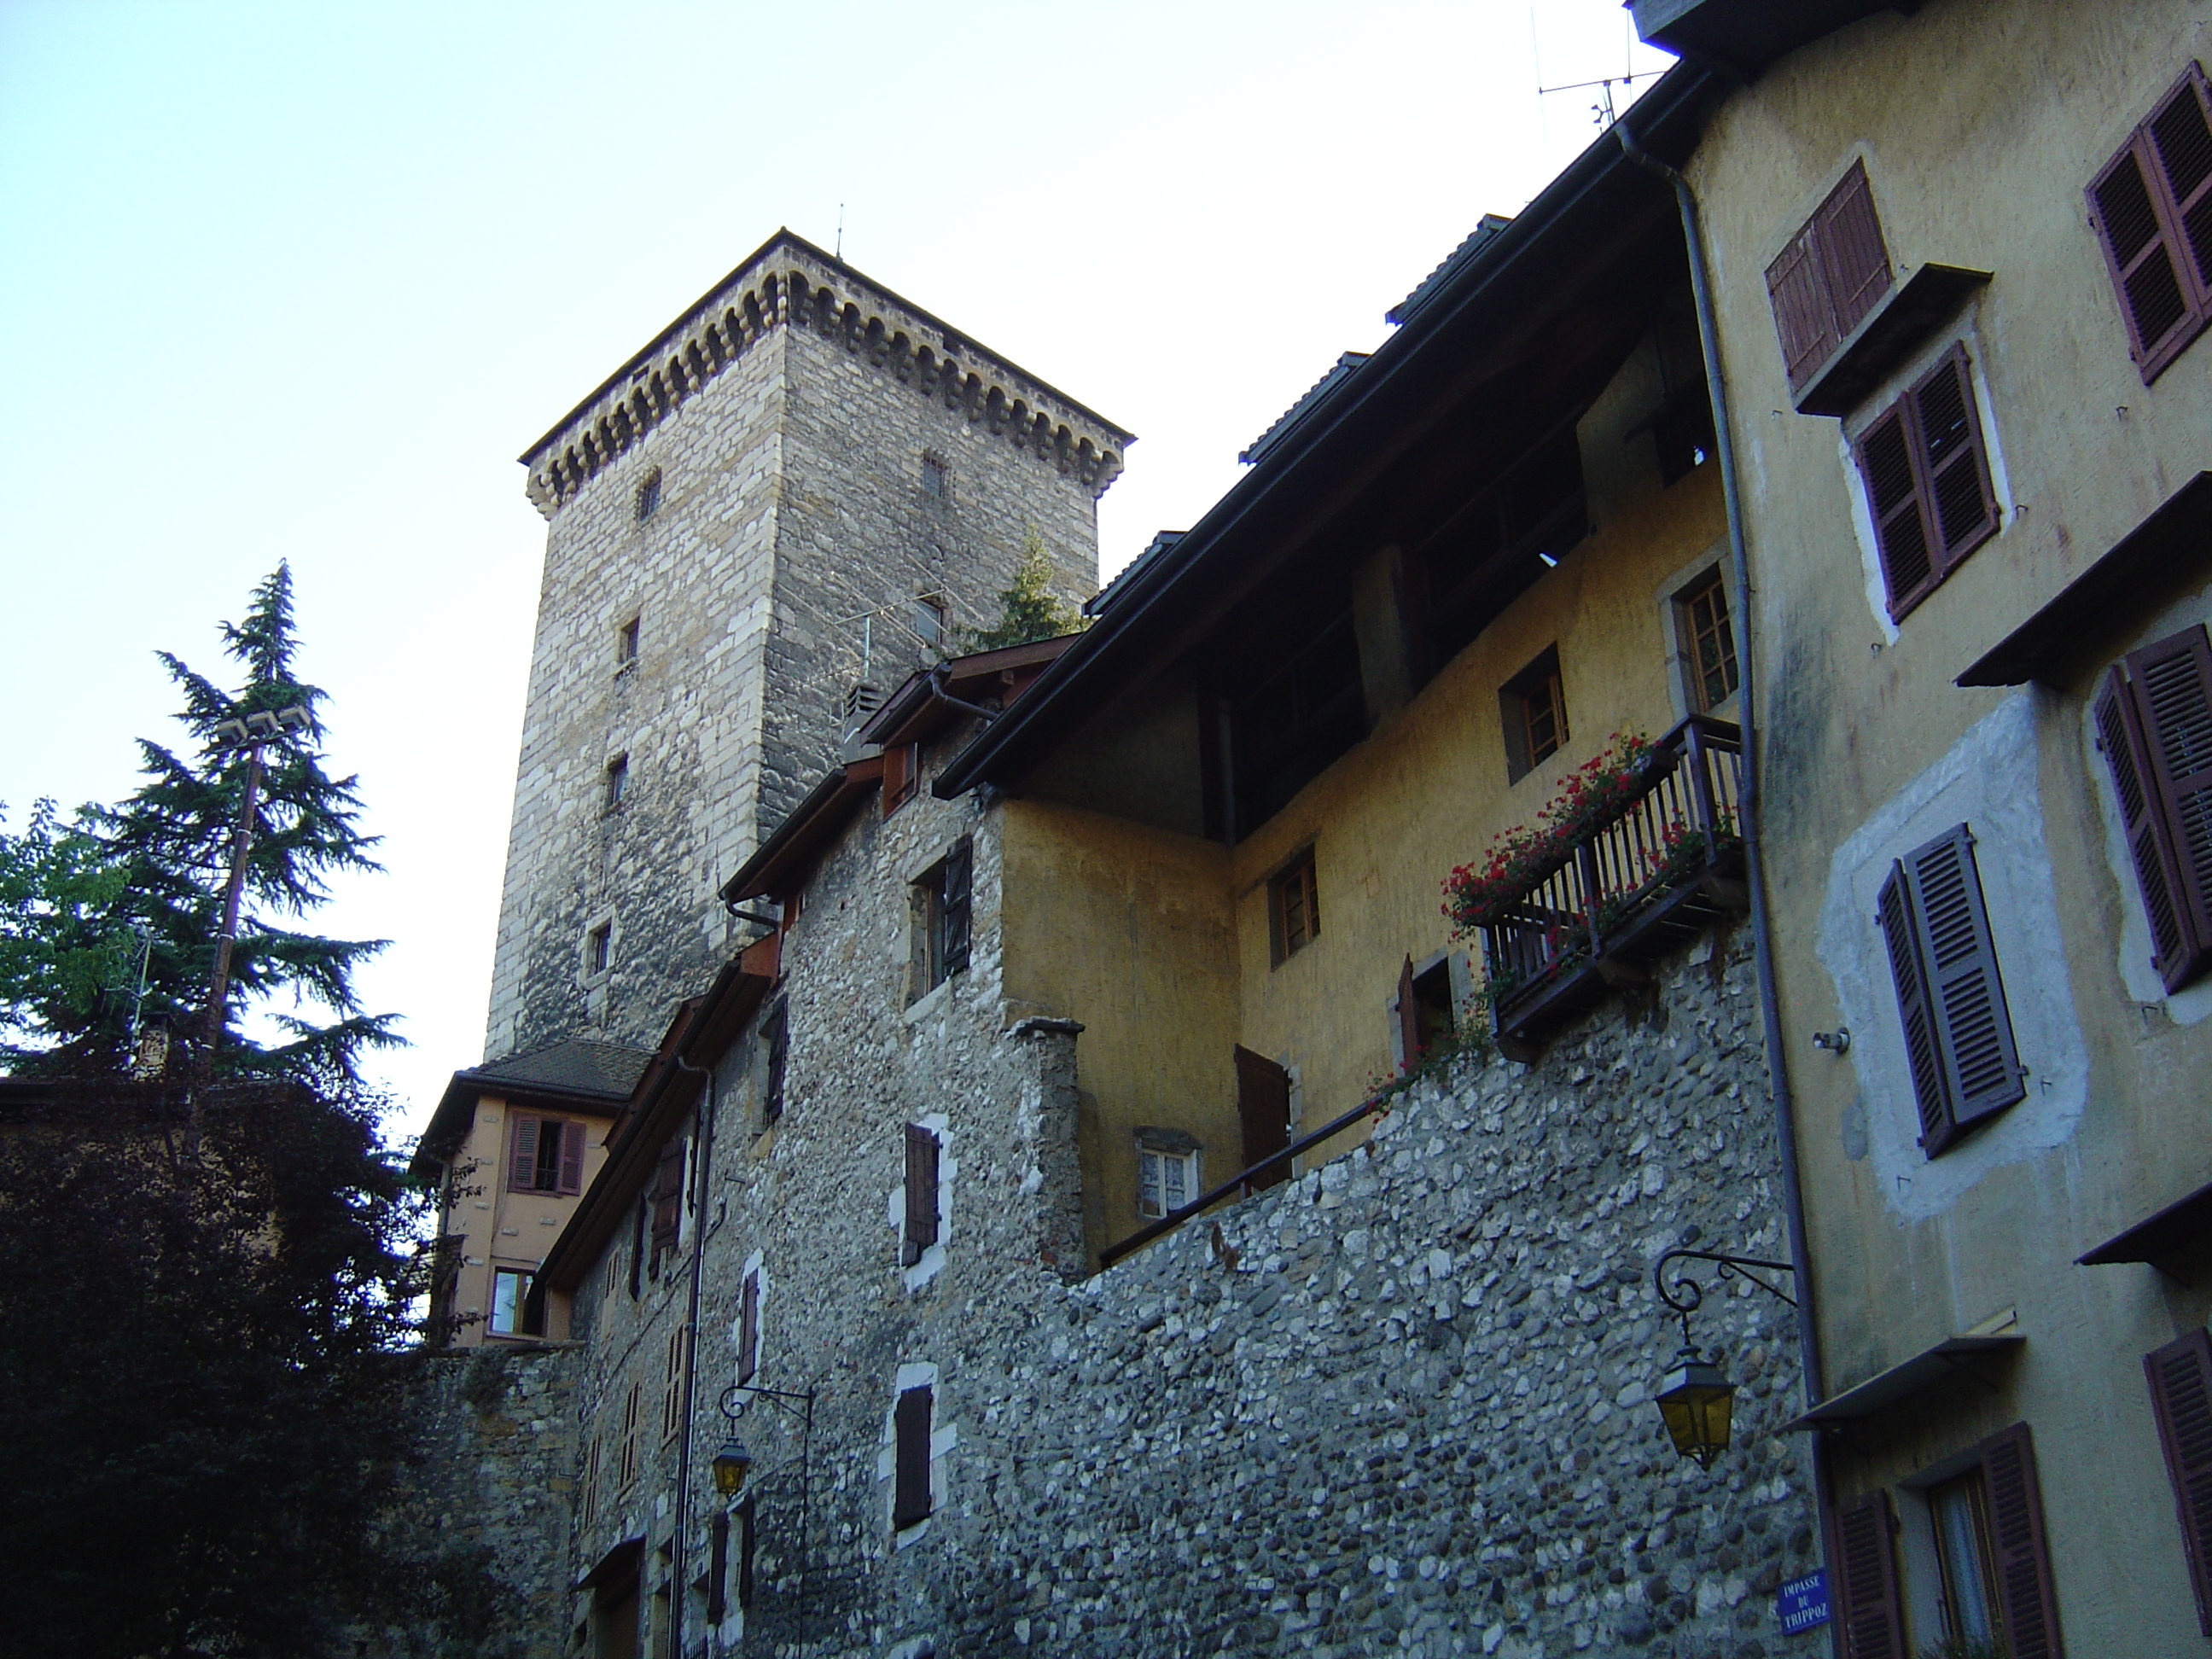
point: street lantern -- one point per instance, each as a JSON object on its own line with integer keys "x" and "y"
{"x": 1696, "y": 1400}
{"x": 732, "y": 1465}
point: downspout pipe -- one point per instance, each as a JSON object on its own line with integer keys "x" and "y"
{"x": 1777, "y": 1068}
{"x": 679, "y": 1577}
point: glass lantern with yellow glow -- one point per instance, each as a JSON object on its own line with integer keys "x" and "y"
{"x": 1696, "y": 1400}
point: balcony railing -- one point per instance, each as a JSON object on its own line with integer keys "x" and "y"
{"x": 1661, "y": 867}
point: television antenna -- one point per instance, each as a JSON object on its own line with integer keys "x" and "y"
{"x": 1603, "y": 113}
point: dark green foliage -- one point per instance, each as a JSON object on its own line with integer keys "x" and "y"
{"x": 1029, "y": 611}
{"x": 172, "y": 841}
{"x": 65, "y": 951}
{"x": 199, "y": 1390}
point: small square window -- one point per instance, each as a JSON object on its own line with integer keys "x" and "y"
{"x": 648, "y": 495}
{"x": 599, "y": 949}
{"x": 617, "y": 781}
{"x": 1293, "y": 906}
{"x": 936, "y": 478}
{"x": 1534, "y": 706}
{"x": 510, "y": 1288}
{"x": 1167, "y": 1179}
{"x": 626, "y": 644}
{"x": 929, "y": 615}
{"x": 1708, "y": 642}
{"x": 901, "y": 775}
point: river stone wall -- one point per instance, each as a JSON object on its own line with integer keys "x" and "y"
{"x": 1401, "y": 1405}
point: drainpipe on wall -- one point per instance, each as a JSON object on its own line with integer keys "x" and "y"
{"x": 679, "y": 1584}
{"x": 1777, "y": 1069}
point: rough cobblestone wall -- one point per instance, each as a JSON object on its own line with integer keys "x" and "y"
{"x": 493, "y": 1480}
{"x": 1400, "y": 1405}
{"x": 792, "y": 532}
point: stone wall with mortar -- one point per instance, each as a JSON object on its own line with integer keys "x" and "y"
{"x": 490, "y": 1479}
{"x": 792, "y": 533}
{"x": 1399, "y": 1404}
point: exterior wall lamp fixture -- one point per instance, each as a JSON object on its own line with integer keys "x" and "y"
{"x": 1696, "y": 1399}
{"x": 733, "y": 1464}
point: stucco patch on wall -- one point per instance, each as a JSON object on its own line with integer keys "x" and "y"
{"x": 1988, "y": 781}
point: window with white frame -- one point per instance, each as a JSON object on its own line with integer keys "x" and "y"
{"x": 1167, "y": 1172}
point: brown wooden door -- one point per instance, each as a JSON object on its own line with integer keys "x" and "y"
{"x": 1263, "y": 1103}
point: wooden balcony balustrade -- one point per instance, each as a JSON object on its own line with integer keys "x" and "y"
{"x": 1654, "y": 872}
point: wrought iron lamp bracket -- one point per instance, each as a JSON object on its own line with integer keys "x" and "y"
{"x": 1686, "y": 1295}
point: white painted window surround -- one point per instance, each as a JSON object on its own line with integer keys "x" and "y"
{"x": 1989, "y": 780}
{"x": 944, "y": 1438}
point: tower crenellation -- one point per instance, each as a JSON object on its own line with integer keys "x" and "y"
{"x": 782, "y": 504}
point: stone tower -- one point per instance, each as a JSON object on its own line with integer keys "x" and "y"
{"x": 765, "y": 515}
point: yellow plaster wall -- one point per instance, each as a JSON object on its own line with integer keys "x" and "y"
{"x": 1428, "y": 790}
{"x": 1126, "y": 929}
{"x": 505, "y": 1228}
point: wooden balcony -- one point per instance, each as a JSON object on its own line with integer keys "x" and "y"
{"x": 1645, "y": 879}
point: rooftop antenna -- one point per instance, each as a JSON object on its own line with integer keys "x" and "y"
{"x": 1603, "y": 113}
{"x": 841, "y": 230}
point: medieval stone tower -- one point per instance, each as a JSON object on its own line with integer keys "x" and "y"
{"x": 773, "y": 512}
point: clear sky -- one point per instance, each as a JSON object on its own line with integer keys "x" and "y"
{"x": 301, "y": 280}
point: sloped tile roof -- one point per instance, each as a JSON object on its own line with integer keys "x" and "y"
{"x": 576, "y": 1065}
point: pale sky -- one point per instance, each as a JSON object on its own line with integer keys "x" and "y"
{"x": 299, "y": 280}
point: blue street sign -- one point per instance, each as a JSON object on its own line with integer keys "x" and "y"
{"x": 1803, "y": 1603}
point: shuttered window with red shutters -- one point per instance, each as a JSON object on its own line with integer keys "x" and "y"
{"x": 910, "y": 1495}
{"x": 1870, "y": 1620}
{"x": 1831, "y": 274}
{"x": 668, "y": 1199}
{"x": 921, "y": 1162}
{"x": 545, "y": 1155}
{"x": 2152, "y": 206}
{"x": 2153, "y": 718}
{"x": 2180, "y": 1378}
{"x": 1950, "y": 998}
{"x": 1927, "y": 475}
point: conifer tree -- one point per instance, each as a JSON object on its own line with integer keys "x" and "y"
{"x": 172, "y": 839}
{"x": 1029, "y": 610}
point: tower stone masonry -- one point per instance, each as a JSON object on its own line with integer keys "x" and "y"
{"x": 769, "y": 513}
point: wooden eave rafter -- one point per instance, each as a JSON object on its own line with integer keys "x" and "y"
{"x": 783, "y": 861}
{"x": 915, "y": 711}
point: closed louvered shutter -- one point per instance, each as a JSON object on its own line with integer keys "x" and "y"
{"x": 1263, "y": 1103}
{"x": 572, "y": 1158}
{"x": 1965, "y": 990}
{"x": 2152, "y": 206}
{"x": 2180, "y": 1377}
{"x": 2172, "y": 681}
{"x": 522, "y": 1171}
{"x": 921, "y": 1153}
{"x": 2023, "y": 1558}
{"x": 1870, "y": 1622}
{"x": 1409, "y": 1020}
{"x": 2145, "y": 825}
{"x": 1847, "y": 240}
{"x": 668, "y": 1197}
{"x": 1802, "y": 317}
{"x": 748, "y": 1328}
{"x": 745, "y": 1541}
{"x": 1900, "y": 934}
{"x": 1961, "y": 506}
{"x": 910, "y": 1433}
{"x": 1893, "y": 499}
{"x": 718, "y": 1568}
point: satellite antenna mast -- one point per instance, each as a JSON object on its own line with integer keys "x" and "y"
{"x": 1603, "y": 111}
{"x": 841, "y": 230}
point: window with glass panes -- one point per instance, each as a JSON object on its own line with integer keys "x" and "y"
{"x": 1712, "y": 641}
{"x": 1166, "y": 1180}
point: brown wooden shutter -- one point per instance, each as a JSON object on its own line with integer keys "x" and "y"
{"x": 1893, "y": 499}
{"x": 1263, "y": 1103}
{"x": 779, "y": 1057}
{"x": 2023, "y": 1560}
{"x": 902, "y": 772}
{"x": 1962, "y": 508}
{"x": 2173, "y": 684}
{"x": 1846, "y": 239}
{"x": 668, "y": 1197}
{"x": 1409, "y": 1020}
{"x": 2152, "y": 206}
{"x": 572, "y": 1158}
{"x": 922, "y": 1152}
{"x": 637, "y": 1248}
{"x": 1900, "y": 933}
{"x": 1965, "y": 990}
{"x": 522, "y": 1166}
{"x": 2150, "y": 846}
{"x": 718, "y": 1569}
{"x": 2180, "y": 1377}
{"x": 1869, "y": 1619}
{"x": 911, "y": 1494}
{"x": 1803, "y": 318}
{"x": 748, "y": 1327}
{"x": 959, "y": 872}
